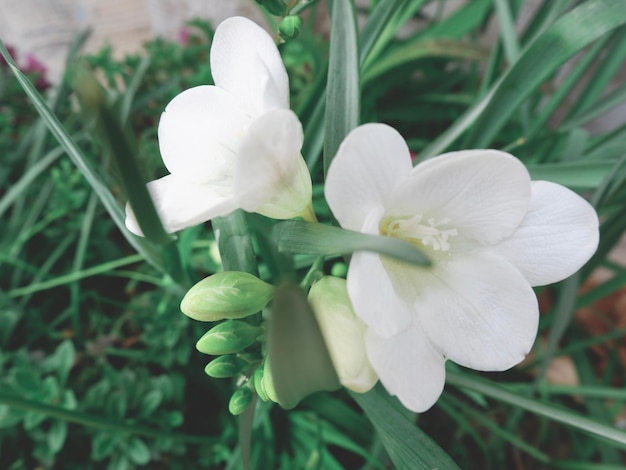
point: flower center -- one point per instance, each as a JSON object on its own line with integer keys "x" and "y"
{"x": 428, "y": 233}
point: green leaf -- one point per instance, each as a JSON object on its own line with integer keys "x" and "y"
{"x": 295, "y": 236}
{"x": 103, "y": 444}
{"x": 576, "y": 175}
{"x": 138, "y": 451}
{"x": 571, "y": 33}
{"x": 147, "y": 249}
{"x": 408, "y": 446}
{"x": 56, "y": 435}
{"x": 550, "y": 411}
{"x": 299, "y": 361}
{"x": 342, "y": 89}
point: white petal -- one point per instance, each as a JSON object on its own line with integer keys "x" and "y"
{"x": 556, "y": 238}
{"x": 483, "y": 193}
{"x": 343, "y": 333}
{"x": 480, "y": 312}
{"x": 199, "y": 133}
{"x": 271, "y": 177}
{"x": 246, "y": 63}
{"x": 373, "y": 296}
{"x": 371, "y": 161}
{"x": 408, "y": 366}
{"x": 181, "y": 204}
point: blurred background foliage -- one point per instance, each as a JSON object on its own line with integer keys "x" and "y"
{"x": 97, "y": 364}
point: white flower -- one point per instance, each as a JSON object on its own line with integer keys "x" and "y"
{"x": 235, "y": 144}
{"x": 343, "y": 333}
{"x": 491, "y": 234}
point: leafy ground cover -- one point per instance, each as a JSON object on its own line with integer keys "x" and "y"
{"x": 97, "y": 365}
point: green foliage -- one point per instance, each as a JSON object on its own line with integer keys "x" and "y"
{"x": 97, "y": 366}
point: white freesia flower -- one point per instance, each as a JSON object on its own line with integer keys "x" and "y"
{"x": 491, "y": 234}
{"x": 343, "y": 333}
{"x": 235, "y": 144}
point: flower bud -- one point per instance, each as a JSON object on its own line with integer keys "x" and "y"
{"x": 290, "y": 27}
{"x": 343, "y": 333}
{"x": 226, "y": 295}
{"x": 229, "y": 365}
{"x": 259, "y": 385}
{"x": 228, "y": 337}
{"x": 240, "y": 400}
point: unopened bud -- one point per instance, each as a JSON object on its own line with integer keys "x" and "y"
{"x": 228, "y": 365}
{"x": 259, "y": 385}
{"x": 343, "y": 333}
{"x": 290, "y": 27}
{"x": 226, "y": 295}
{"x": 229, "y": 337}
{"x": 240, "y": 400}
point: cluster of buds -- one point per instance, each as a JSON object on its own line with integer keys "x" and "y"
{"x": 229, "y": 298}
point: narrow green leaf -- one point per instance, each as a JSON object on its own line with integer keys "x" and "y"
{"x": 572, "y": 32}
{"x": 550, "y": 411}
{"x": 299, "y": 360}
{"x": 377, "y": 21}
{"x": 577, "y": 175}
{"x": 147, "y": 249}
{"x": 295, "y": 236}
{"x": 408, "y": 446}
{"x": 343, "y": 93}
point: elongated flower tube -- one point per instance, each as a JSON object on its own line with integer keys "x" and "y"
{"x": 233, "y": 145}
{"x": 491, "y": 234}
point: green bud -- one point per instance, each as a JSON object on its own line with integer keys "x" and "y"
{"x": 259, "y": 385}
{"x": 276, "y": 7}
{"x": 226, "y": 295}
{"x": 240, "y": 400}
{"x": 290, "y": 27}
{"x": 229, "y": 337}
{"x": 339, "y": 269}
{"x": 227, "y": 366}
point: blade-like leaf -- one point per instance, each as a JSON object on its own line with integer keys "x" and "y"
{"x": 147, "y": 249}
{"x": 295, "y": 236}
{"x": 343, "y": 93}
{"x": 561, "y": 415}
{"x": 408, "y": 446}
{"x": 571, "y": 33}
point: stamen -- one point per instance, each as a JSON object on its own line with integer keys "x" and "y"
{"x": 414, "y": 231}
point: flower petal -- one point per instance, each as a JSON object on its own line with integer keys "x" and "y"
{"x": 479, "y": 311}
{"x": 271, "y": 177}
{"x": 246, "y": 63}
{"x": 373, "y": 296}
{"x": 371, "y": 161}
{"x": 343, "y": 333}
{"x": 482, "y": 193}
{"x": 556, "y": 238}
{"x": 408, "y": 366}
{"x": 181, "y": 204}
{"x": 199, "y": 133}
